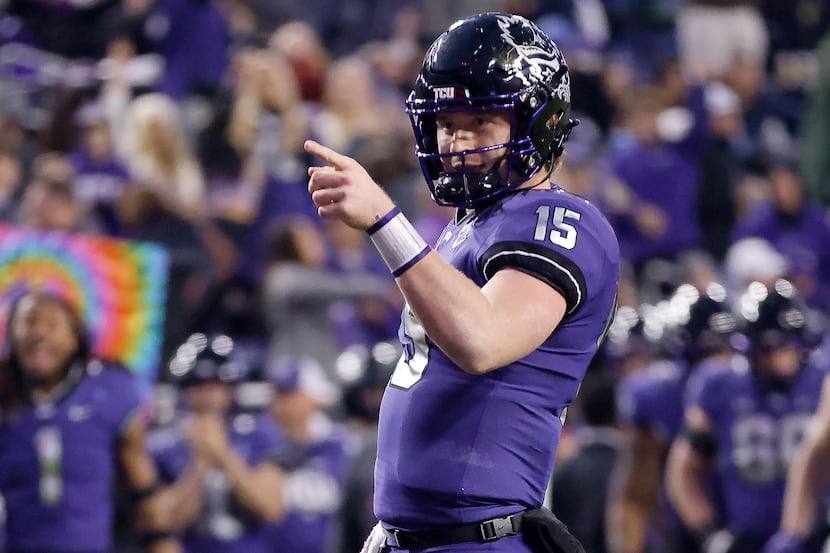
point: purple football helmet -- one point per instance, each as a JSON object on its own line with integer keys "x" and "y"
{"x": 485, "y": 62}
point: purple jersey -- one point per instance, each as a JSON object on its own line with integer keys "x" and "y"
{"x": 314, "y": 474}
{"x": 457, "y": 448}
{"x": 652, "y": 399}
{"x": 223, "y": 525}
{"x": 57, "y": 463}
{"x": 756, "y": 433}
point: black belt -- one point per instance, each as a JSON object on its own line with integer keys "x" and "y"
{"x": 487, "y": 531}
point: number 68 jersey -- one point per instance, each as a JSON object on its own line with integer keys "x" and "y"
{"x": 456, "y": 448}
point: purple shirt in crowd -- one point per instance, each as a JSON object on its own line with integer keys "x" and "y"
{"x": 803, "y": 238}
{"x": 662, "y": 177}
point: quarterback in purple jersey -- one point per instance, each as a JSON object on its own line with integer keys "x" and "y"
{"x": 503, "y": 316}
{"x": 67, "y": 422}
{"x": 744, "y": 421}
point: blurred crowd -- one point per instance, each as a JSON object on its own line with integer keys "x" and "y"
{"x": 704, "y": 138}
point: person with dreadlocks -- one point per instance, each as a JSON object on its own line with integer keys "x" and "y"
{"x": 68, "y": 423}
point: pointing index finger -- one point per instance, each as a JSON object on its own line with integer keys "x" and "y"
{"x": 338, "y": 161}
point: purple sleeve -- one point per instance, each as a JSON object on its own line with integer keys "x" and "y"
{"x": 264, "y": 441}
{"x": 124, "y": 401}
{"x": 706, "y": 388}
{"x": 557, "y": 238}
{"x": 629, "y": 404}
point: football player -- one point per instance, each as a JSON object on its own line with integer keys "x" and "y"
{"x": 68, "y": 422}
{"x": 650, "y": 404}
{"x": 808, "y": 477}
{"x": 504, "y": 315}
{"x": 312, "y": 456}
{"x": 217, "y": 461}
{"x": 744, "y": 421}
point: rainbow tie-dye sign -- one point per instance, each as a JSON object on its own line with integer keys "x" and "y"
{"x": 119, "y": 286}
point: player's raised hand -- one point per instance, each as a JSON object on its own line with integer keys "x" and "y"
{"x": 343, "y": 189}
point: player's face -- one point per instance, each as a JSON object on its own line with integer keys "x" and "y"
{"x": 43, "y": 338}
{"x": 292, "y": 407}
{"x": 210, "y": 397}
{"x": 781, "y": 362}
{"x": 470, "y": 130}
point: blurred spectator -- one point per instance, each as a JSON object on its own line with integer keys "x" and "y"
{"x": 398, "y": 58}
{"x": 157, "y": 154}
{"x": 51, "y": 205}
{"x": 267, "y": 126}
{"x": 345, "y": 25}
{"x": 217, "y": 462}
{"x": 351, "y": 111}
{"x": 580, "y": 483}
{"x": 712, "y": 33}
{"x": 14, "y": 135}
{"x": 798, "y": 229}
{"x": 301, "y": 44}
{"x": 100, "y": 177}
{"x": 52, "y": 166}
{"x": 193, "y": 266}
{"x": 72, "y": 29}
{"x": 195, "y": 46}
{"x": 771, "y": 116}
{"x": 271, "y": 14}
{"x": 68, "y": 423}
{"x": 722, "y": 166}
{"x": 313, "y": 457}
{"x": 11, "y": 180}
{"x": 268, "y": 122}
{"x": 299, "y": 294}
{"x": 657, "y": 217}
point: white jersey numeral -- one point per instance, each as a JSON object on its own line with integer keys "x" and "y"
{"x": 562, "y": 234}
{"x": 413, "y": 361}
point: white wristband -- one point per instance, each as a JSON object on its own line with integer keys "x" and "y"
{"x": 398, "y": 242}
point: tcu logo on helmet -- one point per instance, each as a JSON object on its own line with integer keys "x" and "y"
{"x": 450, "y": 92}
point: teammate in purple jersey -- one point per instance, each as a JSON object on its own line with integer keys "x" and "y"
{"x": 504, "y": 316}
{"x": 650, "y": 411}
{"x": 67, "y": 423}
{"x": 744, "y": 421}
{"x": 808, "y": 477}
{"x": 312, "y": 456}
{"x": 216, "y": 461}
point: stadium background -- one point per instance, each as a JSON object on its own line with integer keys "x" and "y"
{"x": 176, "y": 125}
